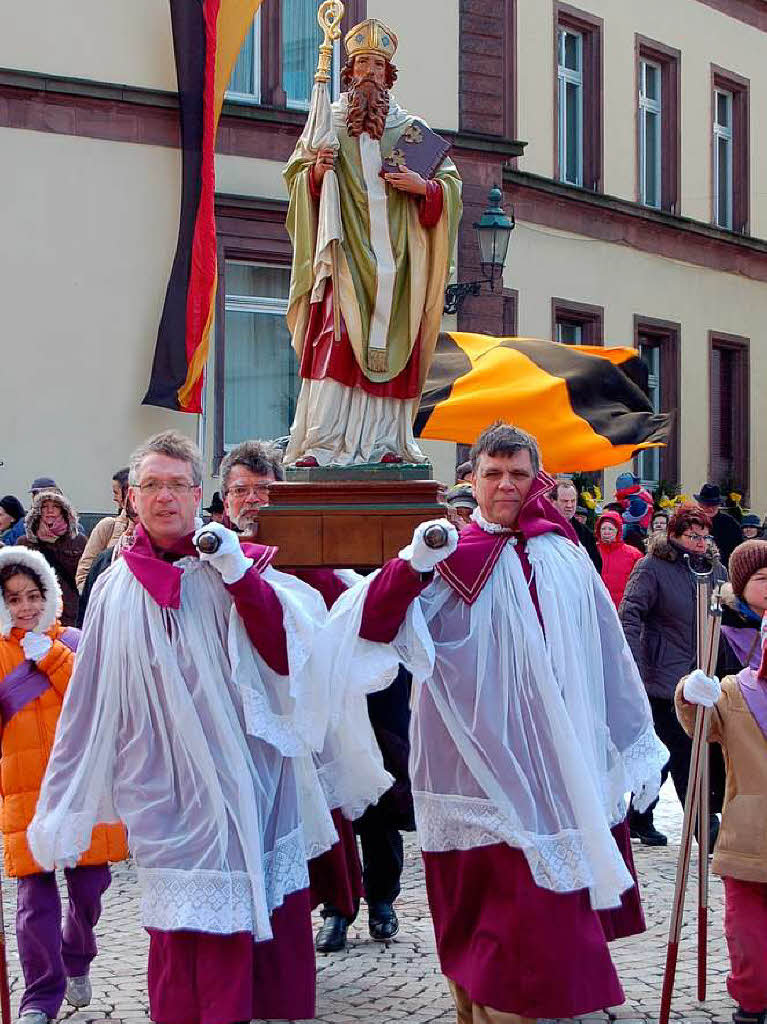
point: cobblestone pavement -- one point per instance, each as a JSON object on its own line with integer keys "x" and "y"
{"x": 380, "y": 984}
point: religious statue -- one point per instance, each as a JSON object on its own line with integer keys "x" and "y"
{"x": 372, "y": 246}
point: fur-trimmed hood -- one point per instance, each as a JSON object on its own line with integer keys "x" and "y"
{"x": 659, "y": 546}
{"x": 32, "y": 521}
{"x": 53, "y": 600}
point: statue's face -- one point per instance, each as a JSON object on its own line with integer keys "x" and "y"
{"x": 372, "y": 64}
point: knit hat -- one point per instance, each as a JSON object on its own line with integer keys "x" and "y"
{"x": 751, "y": 519}
{"x": 747, "y": 558}
{"x": 626, "y": 481}
{"x": 636, "y": 511}
{"x": 12, "y": 507}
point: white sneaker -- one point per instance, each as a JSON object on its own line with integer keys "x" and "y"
{"x": 79, "y": 992}
{"x": 34, "y": 1017}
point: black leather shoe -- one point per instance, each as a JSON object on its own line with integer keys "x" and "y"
{"x": 332, "y": 935}
{"x": 649, "y": 836}
{"x": 382, "y": 922}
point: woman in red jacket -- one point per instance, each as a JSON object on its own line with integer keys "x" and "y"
{"x": 618, "y": 558}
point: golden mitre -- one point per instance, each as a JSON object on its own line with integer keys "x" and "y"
{"x": 371, "y": 36}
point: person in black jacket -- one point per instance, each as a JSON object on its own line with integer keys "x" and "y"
{"x": 565, "y": 498}
{"x": 724, "y": 529}
{"x": 658, "y": 613}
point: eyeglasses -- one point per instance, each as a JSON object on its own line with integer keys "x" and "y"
{"x": 697, "y": 538}
{"x": 243, "y": 491}
{"x": 176, "y": 487}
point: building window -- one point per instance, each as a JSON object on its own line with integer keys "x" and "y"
{"x": 261, "y": 381}
{"x": 723, "y": 158}
{"x": 578, "y": 49}
{"x": 278, "y": 58}
{"x": 510, "y": 312}
{"x": 730, "y": 150}
{"x": 729, "y": 412}
{"x": 658, "y": 343}
{"x": 576, "y": 323}
{"x": 650, "y": 91}
{"x": 570, "y": 76}
{"x": 245, "y": 83}
{"x": 658, "y": 135}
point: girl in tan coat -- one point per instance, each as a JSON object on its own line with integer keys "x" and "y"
{"x": 739, "y": 724}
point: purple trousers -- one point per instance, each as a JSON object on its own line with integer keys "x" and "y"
{"x": 50, "y": 953}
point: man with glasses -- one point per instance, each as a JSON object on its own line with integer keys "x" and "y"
{"x": 246, "y": 473}
{"x": 659, "y": 618}
{"x": 337, "y": 876}
{"x": 191, "y": 720}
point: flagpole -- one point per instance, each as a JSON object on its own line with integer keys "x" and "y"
{"x": 329, "y": 18}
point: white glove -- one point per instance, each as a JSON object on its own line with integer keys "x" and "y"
{"x": 420, "y": 555}
{"x": 701, "y": 689}
{"x": 35, "y": 645}
{"x": 647, "y": 793}
{"x": 230, "y": 559}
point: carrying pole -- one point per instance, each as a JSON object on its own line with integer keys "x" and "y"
{"x": 329, "y": 18}
{"x": 708, "y": 629}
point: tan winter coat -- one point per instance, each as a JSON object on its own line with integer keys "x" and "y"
{"x": 741, "y": 850}
{"x": 104, "y": 534}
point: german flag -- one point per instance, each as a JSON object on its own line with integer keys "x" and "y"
{"x": 207, "y": 36}
{"x": 587, "y": 406}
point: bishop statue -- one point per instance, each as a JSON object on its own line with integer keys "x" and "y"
{"x": 365, "y": 323}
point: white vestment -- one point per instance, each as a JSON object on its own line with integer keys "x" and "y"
{"x": 174, "y": 724}
{"x": 519, "y": 737}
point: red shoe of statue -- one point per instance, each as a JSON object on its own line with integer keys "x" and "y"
{"x": 390, "y": 457}
{"x": 308, "y": 461}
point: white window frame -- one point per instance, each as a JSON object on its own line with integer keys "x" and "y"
{"x": 652, "y": 107}
{"x": 255, "y": 304}
{"x": 253, "y": 97}
{"x": 567, "y": 76}
{"x": 725, "y": 133}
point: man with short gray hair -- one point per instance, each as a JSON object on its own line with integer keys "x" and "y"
{"x": 565, "y": 496}
{"x": 529, "y": 720}
{"x": 192, "y": 721}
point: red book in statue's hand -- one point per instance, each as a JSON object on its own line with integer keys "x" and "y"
{"x": 419, "y": 149}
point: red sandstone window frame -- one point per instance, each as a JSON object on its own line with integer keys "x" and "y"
{"x": 738, "y": 405}
{"x": 588, "y": 317}
{"x": 739, "y": 87}
{"x": 669, "y": 60}
{"x": 591, "y": 29}
{"x": 510, "y": 313}
{"x": 667, "y": 336}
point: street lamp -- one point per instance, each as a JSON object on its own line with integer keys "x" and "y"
{"x": 493, "y": 230}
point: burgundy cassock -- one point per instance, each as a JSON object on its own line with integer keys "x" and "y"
{"x": 197, "y": 977}
{"x": 509, "y": 943}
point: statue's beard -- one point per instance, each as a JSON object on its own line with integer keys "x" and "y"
{"x": 368, "y": 107}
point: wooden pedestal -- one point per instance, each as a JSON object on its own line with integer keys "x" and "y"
{"x": 349, "y": 524}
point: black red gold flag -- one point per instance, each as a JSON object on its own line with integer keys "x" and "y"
{"x": 207, "y": 36}
{"x": 588, "y": 406}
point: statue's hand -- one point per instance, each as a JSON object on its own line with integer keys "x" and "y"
{"x": 407, "y": 181}
{"x": 323, "y": 162}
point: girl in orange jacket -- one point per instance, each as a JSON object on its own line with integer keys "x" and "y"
{"x": 36, "y": 661}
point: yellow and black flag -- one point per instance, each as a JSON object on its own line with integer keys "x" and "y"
{"x": 587, "y": 406}
{"x": 207, "y": 36}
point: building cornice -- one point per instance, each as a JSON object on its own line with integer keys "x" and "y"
{"x": 541, "y": 200}
{"x": 751, "y": 12}
{"x": 160, "y": 107}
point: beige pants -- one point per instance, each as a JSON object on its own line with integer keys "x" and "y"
{"x": 468, "y": 1012}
